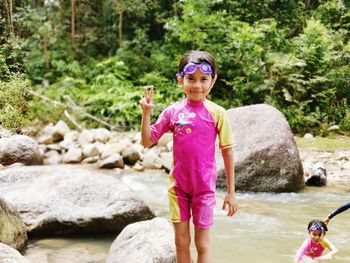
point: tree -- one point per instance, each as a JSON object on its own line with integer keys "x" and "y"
{"x": 9, "y": 12}
{"x": 137, "y": 7}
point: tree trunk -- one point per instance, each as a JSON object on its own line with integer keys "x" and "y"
{"x": 72, "y": 8}
{"x": 46, "y": 54}
{"x": 11, "y": 17}
{"x": 9, "y": 7}
{"x": 120, "y": 27}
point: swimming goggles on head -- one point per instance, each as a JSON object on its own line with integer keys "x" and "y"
{"x": 315, "y": 227}
{"x": 190, "y": 68}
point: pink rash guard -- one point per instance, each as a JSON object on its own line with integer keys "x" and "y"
{"x": 312, "y": 249}
{"x": 195, "y": 126}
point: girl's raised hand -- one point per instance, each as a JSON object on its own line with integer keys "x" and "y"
{"x": 146, "y": 101}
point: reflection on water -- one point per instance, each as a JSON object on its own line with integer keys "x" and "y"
{"x": 268, "y": 228}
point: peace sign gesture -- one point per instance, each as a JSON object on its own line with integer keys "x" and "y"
{"x": 146, "y": 101}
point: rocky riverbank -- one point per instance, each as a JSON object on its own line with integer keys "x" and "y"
{"x": 58, "y": 144}
{"x": 336, "y": 164}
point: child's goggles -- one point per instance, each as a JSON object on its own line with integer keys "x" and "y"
{"x": 319, "y": 228}
{"x": 190, "y": 68}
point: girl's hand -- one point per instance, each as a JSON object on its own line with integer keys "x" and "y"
{"x": 146, "y": 101}
{"x": 325, "y": 258}
{"x": 231, "y": 202}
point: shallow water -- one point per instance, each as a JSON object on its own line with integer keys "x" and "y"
{"x": 268, "y": 228}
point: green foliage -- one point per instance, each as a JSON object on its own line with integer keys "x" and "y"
{"x": 11, "y": 57}
{"x": 294, "y": 55}
{"x": 104, "y": 93}
{"x": 331, "y": 13}
{"x": 14, "y": 102}
{"x": 303, "y": 81}
{"x": 345, "y": 123}
{"x": 239, "y": 47}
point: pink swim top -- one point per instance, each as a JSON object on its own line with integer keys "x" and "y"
{"x": 195, "y": 126}
{"x": 312, "y": 249}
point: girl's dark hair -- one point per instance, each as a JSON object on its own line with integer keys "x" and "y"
{"x": 197, "y": 57}
{"x": 317, "y": 223}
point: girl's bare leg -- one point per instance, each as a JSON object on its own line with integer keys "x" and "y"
{"x": 182, "y": 242}
{"x": 202, "y": 241}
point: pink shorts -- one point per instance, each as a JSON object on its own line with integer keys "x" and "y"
{"x": 181, "y": 204}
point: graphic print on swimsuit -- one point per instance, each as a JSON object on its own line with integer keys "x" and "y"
{"x": 183, "y": 123}
{"x": 194, "y": 138}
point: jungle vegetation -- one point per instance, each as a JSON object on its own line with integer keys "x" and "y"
{"x": 73, "y": 59}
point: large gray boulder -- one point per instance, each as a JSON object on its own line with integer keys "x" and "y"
{"x": 12, "y": 228}
{"x": 265, "y": 153}
{"x": 10, "y": 255}
{"x": 144, "y": 242}
{"x": 66, "y": 199}
{"x": 19, "y": 149}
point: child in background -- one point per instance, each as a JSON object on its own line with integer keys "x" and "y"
{"x": 312, "y": 248}
{"x": 195, "y": 123}
{"x": 337, "y": 211}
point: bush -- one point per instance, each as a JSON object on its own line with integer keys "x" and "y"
{"x": 13, "y": 102}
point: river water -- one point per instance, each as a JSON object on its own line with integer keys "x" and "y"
{"x": 268, "y": 228}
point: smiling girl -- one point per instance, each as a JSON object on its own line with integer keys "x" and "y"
{"x": 195, "y": 123}
{"x": 312, "y": 248}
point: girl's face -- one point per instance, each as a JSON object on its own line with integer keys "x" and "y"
{"x": 197, "y": 85}
{"x": 316, "y": 235}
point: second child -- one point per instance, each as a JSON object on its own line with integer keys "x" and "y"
{"x": 313, "y": 247}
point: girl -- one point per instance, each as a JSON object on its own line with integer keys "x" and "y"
{"x": 195, "y": 123}
{"x": 312, "y": 248}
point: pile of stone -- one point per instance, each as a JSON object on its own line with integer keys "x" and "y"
{"x": 107, "y": 149}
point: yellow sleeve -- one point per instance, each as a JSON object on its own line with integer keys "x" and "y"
{"x": 222, "y": 124}
{"x": 224, "y": 130}
{"x": 325, "y": 244}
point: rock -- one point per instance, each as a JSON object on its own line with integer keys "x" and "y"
{"x": 90, "y": 150}
{"x": 102, "y": 135}
{"x": 53, "y": 147}
{"x": 144, "y": 242}
{"x": 151, "y": 160}
{"x": 19, "y": 148}
{"x": 265, "y": 153}
{"x": 138, "y": 167}
{"x": 66, "y": 199}
{"x": 342, "y": 156}
{"x": 74, "y": 155}
{"x": 93, "y": 159}
{"x": 85, "y": 137}
{"x": 308, "y": 136}
{"x": 318, "y": 176}
{"x": 13, "y": 232}
{"x": 10, "y": 255}
{"x": 68, "y": 144}
{"x": 4, "y": 133}
{"x": 113, "y": 161}
{"x": 131, "y": 155}
{"x": 60, "y": 130}
{"x": 114, "y": 147}
{"x": 52, "y": 158}
{"x": 71, "y": 136}
{"x": 46, "y": 139}
{"x": 334, "y": 128}
{"x": 166, "y": 160}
